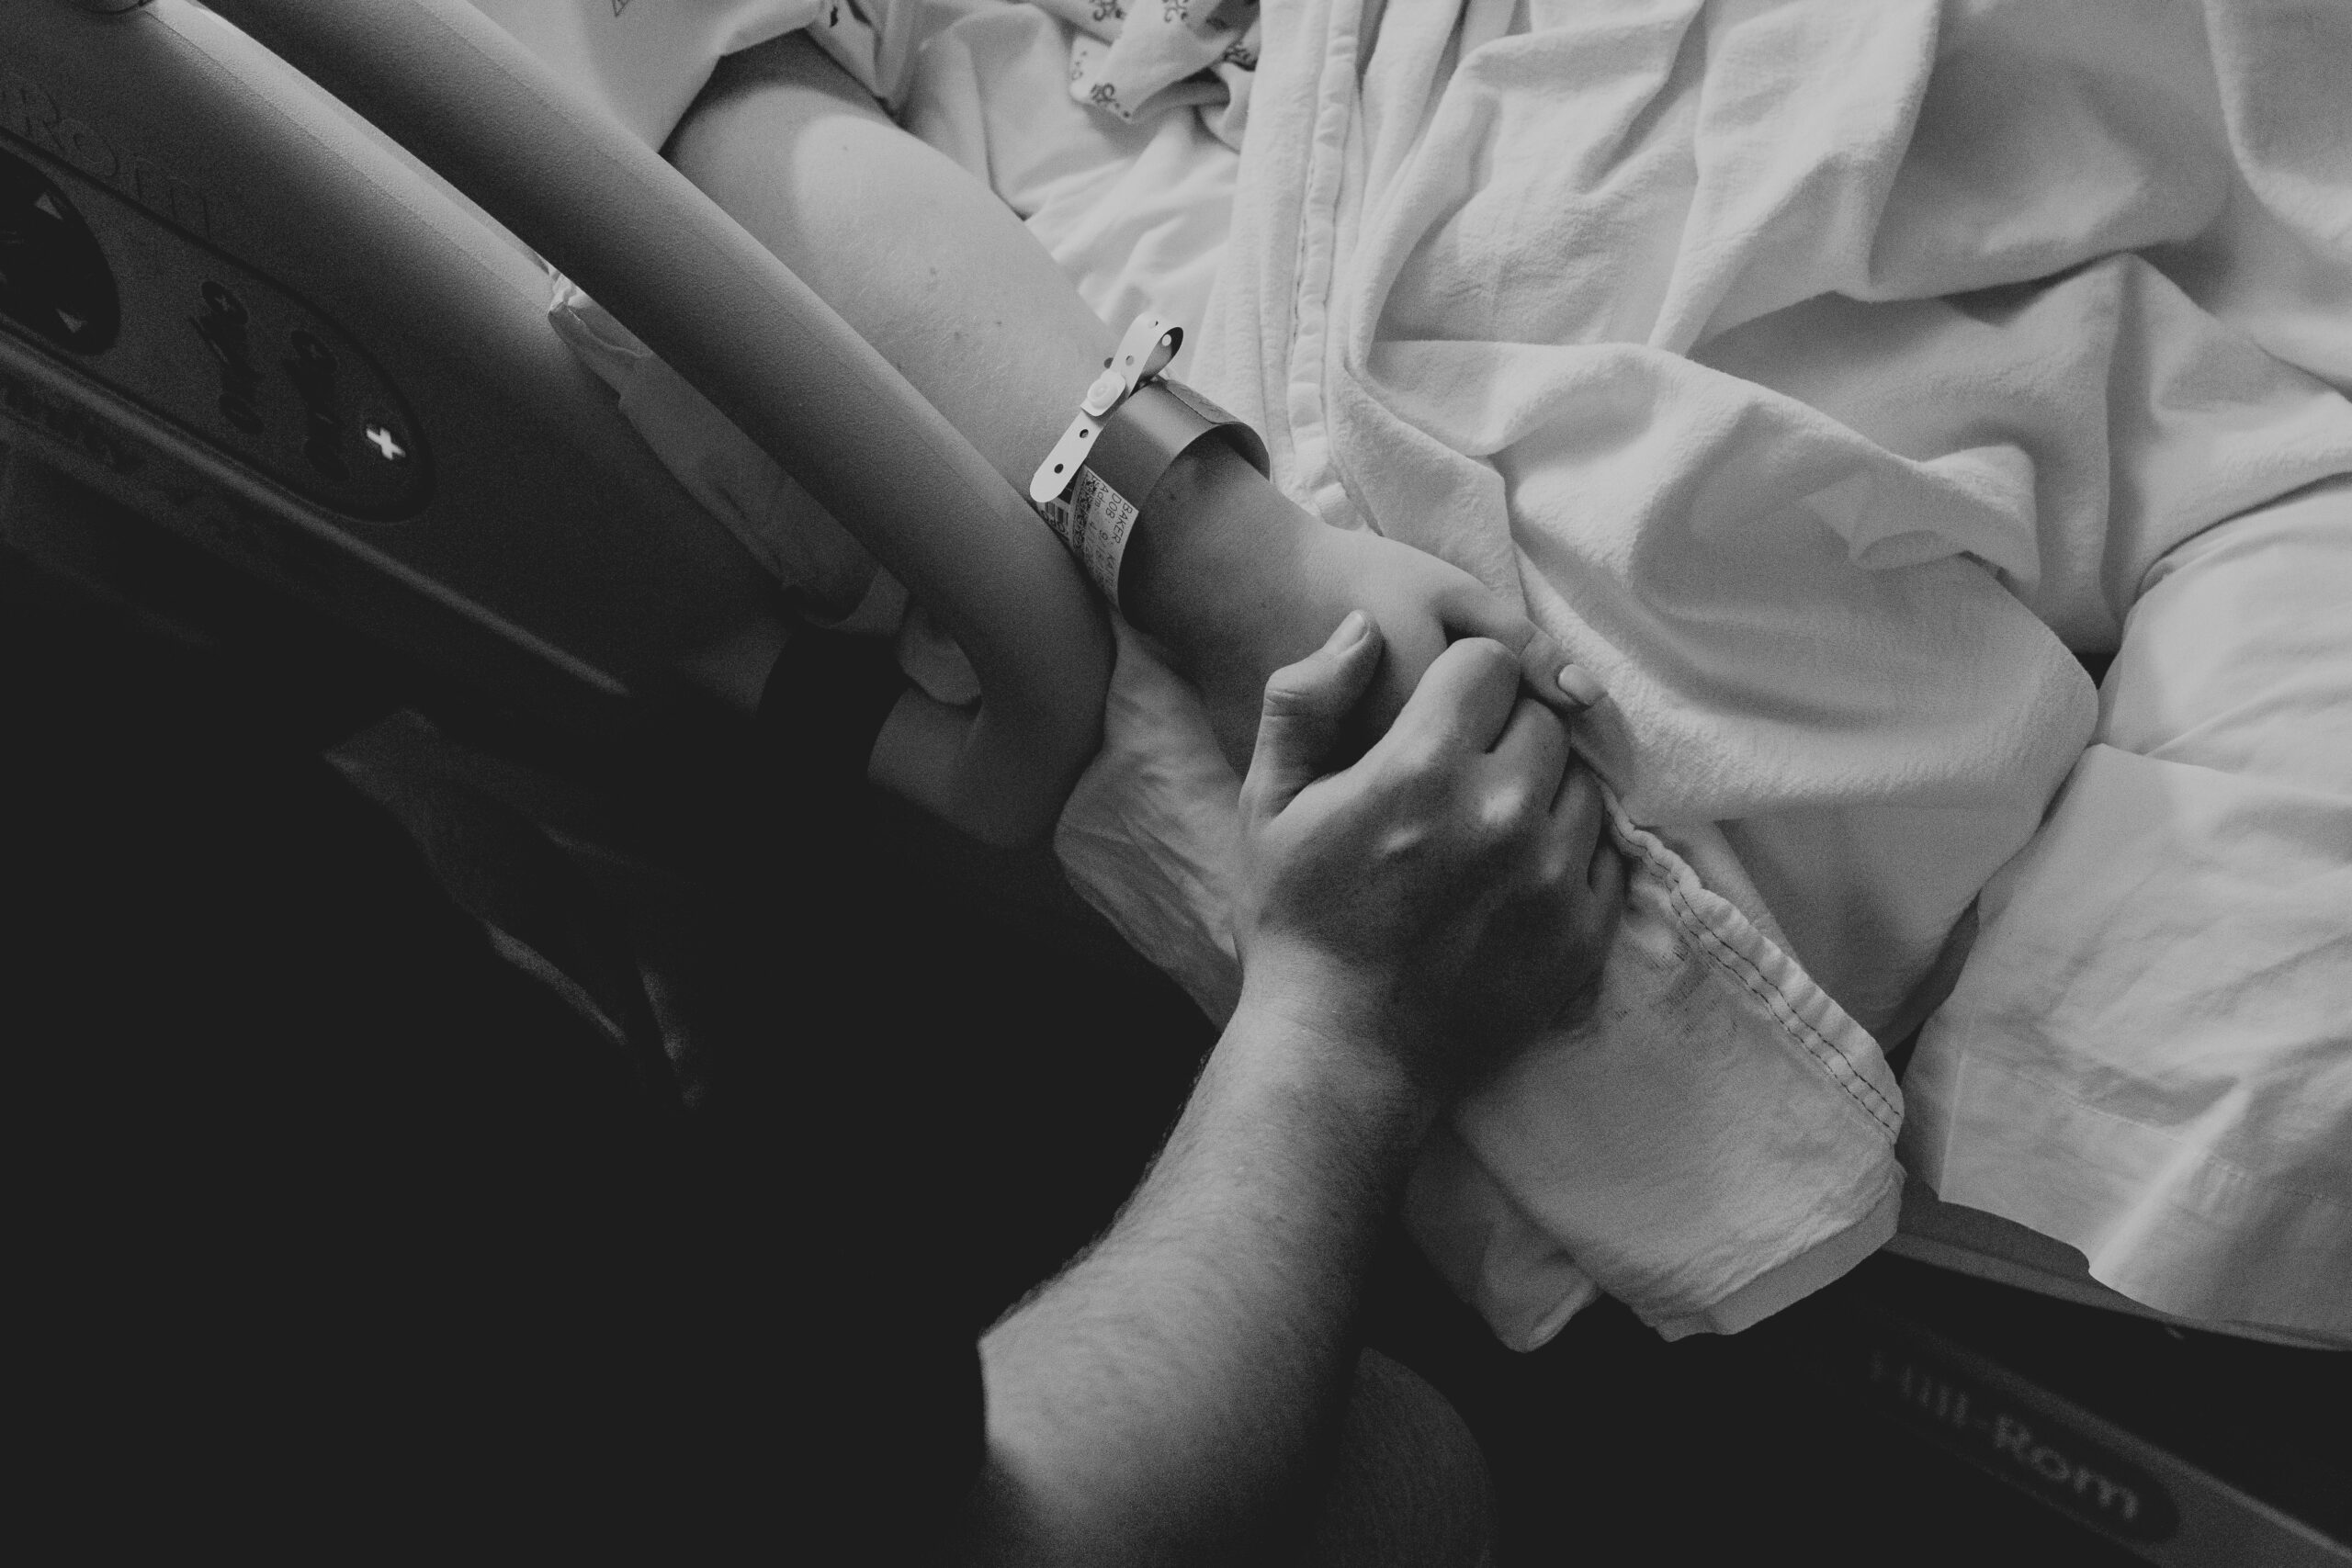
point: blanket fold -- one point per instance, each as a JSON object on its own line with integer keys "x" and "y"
{"x": 1823, "y": 376}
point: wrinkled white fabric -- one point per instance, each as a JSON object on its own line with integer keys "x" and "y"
{"x": 1135, "y": 213}
{"x": 2149, "y": 1055}
{"x": 1135, "y": 61}
{"x": 1795, "y": 361}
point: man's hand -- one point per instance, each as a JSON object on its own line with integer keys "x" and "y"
{"x": 1162, "y": 1401}
{"x": 1453, "y": 881}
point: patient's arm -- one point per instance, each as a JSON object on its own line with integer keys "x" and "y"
{"x": 938, "y": 275}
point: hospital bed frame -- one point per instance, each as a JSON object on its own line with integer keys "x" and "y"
{"x": 253, "y": 315}
{"x": 376, "y": 418}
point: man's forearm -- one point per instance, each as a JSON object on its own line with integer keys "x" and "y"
{"x": 1159, "y": 1401}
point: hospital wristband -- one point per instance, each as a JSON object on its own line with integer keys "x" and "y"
{"x": 1131, "y": 428}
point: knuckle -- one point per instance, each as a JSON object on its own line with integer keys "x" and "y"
{"x": 1506, "y": 808}
{"x": 1423, "y": 759}
{"x": 1288, "y": 694}
{"x": 1404, "y": 842}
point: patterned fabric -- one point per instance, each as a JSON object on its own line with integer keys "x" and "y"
{"x": 1136, "y": 58}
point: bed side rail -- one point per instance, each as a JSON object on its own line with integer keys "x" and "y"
{"x": 451, "y": 86}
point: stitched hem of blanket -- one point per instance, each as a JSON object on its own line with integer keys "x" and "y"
{"x": 1805, "y": 1013}
{"x": 1786, "y": 1283}
{"x": 2173, "y": 1227}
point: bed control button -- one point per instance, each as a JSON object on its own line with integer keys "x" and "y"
{"x": 203, "y": 344}
{"x": 54, "y": 280}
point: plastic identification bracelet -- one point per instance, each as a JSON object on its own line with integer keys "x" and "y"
{"x": 1094, "y": 519}
{"x": 1091, "y": 495}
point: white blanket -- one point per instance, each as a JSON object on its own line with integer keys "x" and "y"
{"x": 2149, "y": 1054}
{"x": 1811, "y": 369}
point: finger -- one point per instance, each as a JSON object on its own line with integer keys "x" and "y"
{"x": 1305, "y": 706}
{"x": 1460, "y": 708}
{"x": 1533, "y": 752}
{"x": 1468, "y": 607}
{"x": 1557, "y": 681}
{"x": 1605, "y": 873}
{"x": 1596, "y": 915}
{"x": 1579, "y": 686}
{"x": 1587, "y": 850}
{"x": 1580, "y": 814}
{"x": 1556, "y": 859}
{"x": 1564, "y": 685}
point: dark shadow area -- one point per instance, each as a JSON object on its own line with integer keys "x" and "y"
{"x": 859, "y": 1015}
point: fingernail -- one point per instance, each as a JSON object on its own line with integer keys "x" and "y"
{"x": 1350, "y": 631}
{"x": 1580, "y": 685}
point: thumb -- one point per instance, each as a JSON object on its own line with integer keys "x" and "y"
{"x": 1558, "y": 683}
{"x": 1305, "y": 705}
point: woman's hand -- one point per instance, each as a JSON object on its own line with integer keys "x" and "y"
{"x": 1236, "y": 582}
{"x": 1419, "y": 604}
{"x": 1452, "y": 886}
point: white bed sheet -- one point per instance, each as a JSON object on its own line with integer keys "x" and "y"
{"x": 2149, "y": 1054}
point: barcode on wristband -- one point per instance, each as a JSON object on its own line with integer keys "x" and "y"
{"x": 1093, "y": 521}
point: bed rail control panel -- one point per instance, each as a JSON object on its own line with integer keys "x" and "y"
{"x": 54, "y": 280}
{"x": 220, "y": 351}
{"x": 287, "y": 341}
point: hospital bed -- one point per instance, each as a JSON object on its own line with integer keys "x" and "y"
{"x": 244, "y": 315}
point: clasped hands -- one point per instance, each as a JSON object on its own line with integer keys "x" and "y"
{"x": 1442, "y": 897}
{"x": 1425, "y": 880}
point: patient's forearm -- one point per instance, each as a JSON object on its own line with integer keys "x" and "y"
{"x": 1159, "y": 1402}
{"x": 930, "y": 267}
{"x": 920, "y": 258}
{"x": 935, "y": 271}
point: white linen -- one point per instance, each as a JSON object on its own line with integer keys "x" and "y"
{"x": 2149, "y": 1055}
{"x": 1135, "y": 213}
{"x": 1637, "y": 308}
{"x": 1138, "y": 62}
